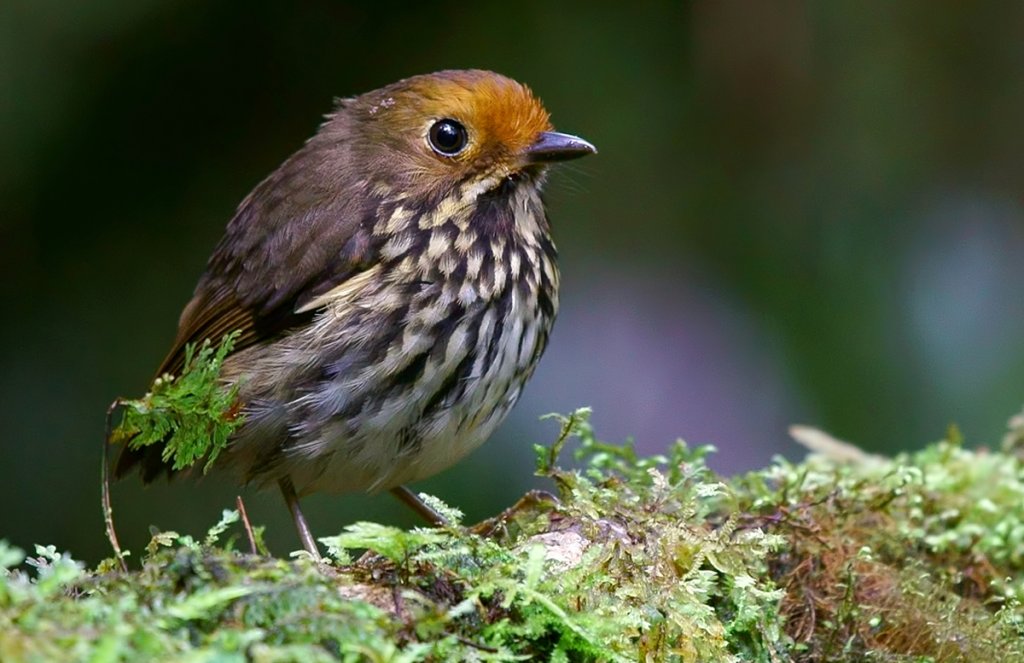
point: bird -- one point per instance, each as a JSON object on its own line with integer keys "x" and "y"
{"x": 392, "y": 285}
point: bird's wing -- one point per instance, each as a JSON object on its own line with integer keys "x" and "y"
{"x": 291, "y": 240}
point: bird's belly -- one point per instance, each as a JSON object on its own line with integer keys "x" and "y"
{"x": 392, "y": 409}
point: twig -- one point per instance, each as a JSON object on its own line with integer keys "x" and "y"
{"x": 246, "y": 524}
{"x": 108, "y": 511}
{"x": 475, "y": 645}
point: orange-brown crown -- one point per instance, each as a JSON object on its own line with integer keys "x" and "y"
{"x": 499, "y": 109}
{"x": 502, "y": 116}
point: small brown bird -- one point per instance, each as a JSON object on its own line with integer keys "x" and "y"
{"x": 394, "y": 283}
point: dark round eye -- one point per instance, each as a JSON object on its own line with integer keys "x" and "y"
{"x": 448, "y": 137}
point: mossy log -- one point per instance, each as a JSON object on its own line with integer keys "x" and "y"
{"x": 842, "y": 557}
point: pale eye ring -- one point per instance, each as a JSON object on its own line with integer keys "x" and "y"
{"x": 447, "y": 137}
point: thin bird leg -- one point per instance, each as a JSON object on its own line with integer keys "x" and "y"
{"x": 413, "y": 501}
{"x": 292, "y": 500}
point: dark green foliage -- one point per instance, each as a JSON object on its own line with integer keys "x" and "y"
{"x": 192, "y": 415}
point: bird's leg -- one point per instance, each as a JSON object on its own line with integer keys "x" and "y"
{"x": 292, "y": 500}
{"x": 413, "y": 501}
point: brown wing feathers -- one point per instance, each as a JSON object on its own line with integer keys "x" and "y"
{"x": 279, "y": 252}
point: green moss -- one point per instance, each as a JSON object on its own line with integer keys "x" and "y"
{"x": 191, "y": 415}
{"x": 920, "y": 557}
{"x": 917, "y": 558}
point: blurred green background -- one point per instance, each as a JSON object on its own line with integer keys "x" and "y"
{"x": 800, "y": 212}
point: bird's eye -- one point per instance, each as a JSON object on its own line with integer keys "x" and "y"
{"x": 448, "y": 137}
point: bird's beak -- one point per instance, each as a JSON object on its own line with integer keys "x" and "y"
{"x": 552, "y": 146}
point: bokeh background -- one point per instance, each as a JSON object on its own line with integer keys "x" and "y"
{"x": 801, "y": 212}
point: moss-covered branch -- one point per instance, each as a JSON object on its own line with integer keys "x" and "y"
{"x": 843, "y": 557}
{"x": 917, "y": 558}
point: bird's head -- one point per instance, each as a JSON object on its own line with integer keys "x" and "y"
{"x": 432, "y": 133}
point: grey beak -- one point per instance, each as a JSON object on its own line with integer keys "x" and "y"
{"x": 552, "y": 146}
